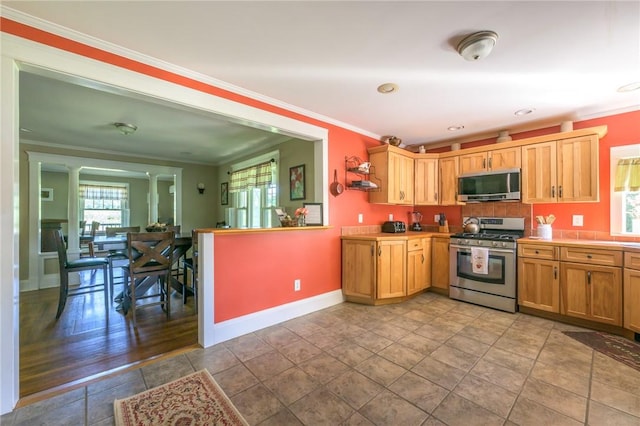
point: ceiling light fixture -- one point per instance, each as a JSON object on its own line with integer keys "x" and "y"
{"x": 455, "y": 128}
{"x": 524, "y": 111}
{"x": 125, "y": 128}
{"x": 629, "y": 87}
{"x": 477, "y": 45}
{"x": 387, "y": 88}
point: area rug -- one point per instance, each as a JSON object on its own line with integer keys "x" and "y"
{"x": 617, "y": 347}
{"x": 193, "y": 400}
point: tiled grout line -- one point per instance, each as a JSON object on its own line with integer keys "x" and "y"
{"x": 593, "y": 360}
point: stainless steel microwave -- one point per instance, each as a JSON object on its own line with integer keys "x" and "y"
{"x": 502, "y": 185}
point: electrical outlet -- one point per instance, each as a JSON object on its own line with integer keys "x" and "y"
{"x": 390, "y": 217}
{"x": 360, "y": 217}
{"x": 578, "y": 220}
{"x": 436, "y": 218}
{"x": 296, "y": 285}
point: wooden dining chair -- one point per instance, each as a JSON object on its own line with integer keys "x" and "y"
{"x": 191, "y": 264}
{"x": 113, "y": 255}
{"x": 82, "y": 264}
{"x": 88, "y": 240}
{"x": 150, "y": 257}
{"x": 175, "y": 269}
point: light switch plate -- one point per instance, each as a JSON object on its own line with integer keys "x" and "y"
{"x": 360, "y": 218}
{"x": 436, "y": 218}
{"x": 578, "y": 220}
{"x": 390, "y": 217}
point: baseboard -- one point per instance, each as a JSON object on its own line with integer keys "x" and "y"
{"x": 258, "y": 320}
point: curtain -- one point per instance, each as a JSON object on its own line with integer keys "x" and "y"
{"x": 258, "y": 176}
{"x": 627, "y": 175}
{"x": 103, "y": 192}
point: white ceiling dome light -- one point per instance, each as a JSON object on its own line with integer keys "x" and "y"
{"x": 477, "y": 45}
{"x": 125, "y": 128}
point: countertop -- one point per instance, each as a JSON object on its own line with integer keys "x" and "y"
{"x": 601, "y": 244}
{"x": 396, "y": 236}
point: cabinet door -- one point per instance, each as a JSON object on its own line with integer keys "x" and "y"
{"x": 449, "y": 180}
{"x": 539, "y": 173}
{"x": 395, "y": 172}
{"x": 427, "y": 244}
{"x": 539, "y": 284}
{"x": 358, "y": 268}
{"x": 470, "y": 163}
{"x": 507, "y": 158}
{"x": 632, "y": 299}
{"x": 578, "y": 169}
{"x": 426, "y": 181}
{"x": 415, "y": 271}
{"x": 592, "y": 292}
{"x": 391, "y": 275}
{"x": 440, "y": 263}
{"x": 407, "y": 179}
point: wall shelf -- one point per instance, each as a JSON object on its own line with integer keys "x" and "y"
{"x": 359, "y": 175}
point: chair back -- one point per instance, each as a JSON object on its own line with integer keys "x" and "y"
{"x": 174, "y": 228}
{"x": 94, "y": 228}
{"x": 150, "y": 253}
{"x": 83, "y": 227}
{"x": 61, "y": 247}
{"x": 113, "y": 231}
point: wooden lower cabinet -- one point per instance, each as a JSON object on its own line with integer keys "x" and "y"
{"x": 539, "y": 284}
{"x": 592, "y": 292}
{"x": 440, "y": 263}
{"x": 418, "y": 265}
{"x": 631, "y": 291}
{"x": 358, "y": 270}
{"x": 391, "y": 276}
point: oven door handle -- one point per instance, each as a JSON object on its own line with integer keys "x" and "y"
{"x": 491, "y": 249}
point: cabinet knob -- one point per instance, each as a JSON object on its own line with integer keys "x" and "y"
{"x": 589, "y": 256}
{"x": 537, "y": 252}
{"x": 589, "y": 277}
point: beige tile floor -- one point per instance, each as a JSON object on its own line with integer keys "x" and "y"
{"x": 427, "y": 361}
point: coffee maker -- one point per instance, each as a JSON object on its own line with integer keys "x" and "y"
{"x": 415, "y": 218}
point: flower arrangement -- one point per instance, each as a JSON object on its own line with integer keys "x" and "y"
{"x": 156, "y": 227}
{"x": 302, "y": 212}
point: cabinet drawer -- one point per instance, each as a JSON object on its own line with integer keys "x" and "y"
{"x": 632, "y": 260}
{"x": 592, "y": 256}
{"x": 538, "y": 251}
{"x": 415, "y": 244}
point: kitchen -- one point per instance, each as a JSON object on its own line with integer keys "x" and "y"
{"x": 345, "y": 209}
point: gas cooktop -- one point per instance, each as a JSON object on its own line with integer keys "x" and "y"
{"x": 488, "y": 236}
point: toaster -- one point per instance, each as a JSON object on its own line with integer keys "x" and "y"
{"x": 394, "y": 227}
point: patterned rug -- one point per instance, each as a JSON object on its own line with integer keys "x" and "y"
{"x": 193, "y": 400}
{"x": 617, "y": 347}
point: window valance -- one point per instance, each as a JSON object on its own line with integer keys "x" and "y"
{"x": 627, "y": 175}
{"x": 258, "y": 176}
{"x": 102, "y": 192}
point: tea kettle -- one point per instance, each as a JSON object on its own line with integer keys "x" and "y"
{"x": 470, "y": 226}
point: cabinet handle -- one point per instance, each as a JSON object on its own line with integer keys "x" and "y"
{"x": 560, "y": 191}
{"x": 436, "y": 197}
{"x": 490, "y": 162}
{"x": 555, "y": 272}
{"x": 588, "y": 277}
{"x": 372, "y": 250}
{"x": 553, "y": 192}
{"x": 423, "y": 258}
{"x": 379, "y": 251}
{"x": 484, "y": 163}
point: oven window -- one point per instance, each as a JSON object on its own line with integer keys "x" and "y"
{"x": 496, "y": 268}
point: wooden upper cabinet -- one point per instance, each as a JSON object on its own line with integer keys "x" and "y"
{"x": 448, "y": 180}
{"x": 578, "y": 169}
{"x": 494, "y": 160}
{"x": 539, "y": 173}
{"x": 396, "y": 173}
{"x": 426, "y": 185}
{"x": 561, "y": 171}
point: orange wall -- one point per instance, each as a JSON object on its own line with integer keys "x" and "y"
{"x": 256, "y": 271}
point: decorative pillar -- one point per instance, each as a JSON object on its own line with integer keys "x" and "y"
{"x": 73, "y": 228}
{"x": 153, "y": 197}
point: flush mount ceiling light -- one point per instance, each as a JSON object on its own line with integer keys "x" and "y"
{"x": 477, "y": 45}
{"x": 629, "y": 87}
{"x": 125, "y": 128}
{"x": 455, "y": 128}
{"x": 387, "y": 88}
{"x": 524, "y": 111}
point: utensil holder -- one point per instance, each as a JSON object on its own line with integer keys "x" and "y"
{"x": 545, "y": 232}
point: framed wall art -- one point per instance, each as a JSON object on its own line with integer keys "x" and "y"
{"x": 314, "y": 215}
{"x": 46, "y": 194}
{"x": 296, "y": 183}
{"x": 224, "y": 193}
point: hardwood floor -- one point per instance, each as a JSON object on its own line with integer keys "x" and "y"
{"x": 82, "y": 343}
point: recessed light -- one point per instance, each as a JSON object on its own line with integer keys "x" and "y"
{"x": 524, "y": 111}
{"x": 629, "y": 87}
{"x": 387, "y": 88}
{"x": 455, "y": 128}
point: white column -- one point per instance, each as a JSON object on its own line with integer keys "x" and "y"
{"x": 153, "y": 197}
{"x": 73, "y": 228}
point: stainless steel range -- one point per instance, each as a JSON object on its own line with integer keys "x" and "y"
{"x": 483, "y": 265}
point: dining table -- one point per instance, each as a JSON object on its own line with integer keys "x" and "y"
{"x": 182, "y": 244}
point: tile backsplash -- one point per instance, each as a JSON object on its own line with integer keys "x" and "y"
{"x": 502, "y": 209}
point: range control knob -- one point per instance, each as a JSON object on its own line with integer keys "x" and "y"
{"x": 479, "y": 242}
{"x": 495, "y": 244}
{"x": 504, "y": 244}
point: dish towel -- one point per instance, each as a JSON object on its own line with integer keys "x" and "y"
{"x": 480, "y": 260}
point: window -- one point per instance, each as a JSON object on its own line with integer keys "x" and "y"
{"x": 625, "y": 190}
{"x": 106, "y": 203}
{"x": 253, "y": 192}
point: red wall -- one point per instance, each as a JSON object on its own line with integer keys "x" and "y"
{"x": 256, "y": 271}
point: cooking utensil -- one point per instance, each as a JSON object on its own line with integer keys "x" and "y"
{"x": 336, "y": 188}
{"x": 540, "y": 220}
{"x": 550, "y": 219}
{"x": 472, "y": 227}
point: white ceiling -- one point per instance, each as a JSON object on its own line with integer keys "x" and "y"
{"x": 563, "y": 59}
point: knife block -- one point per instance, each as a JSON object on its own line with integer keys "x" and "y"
{"x": 444, "y": 228}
